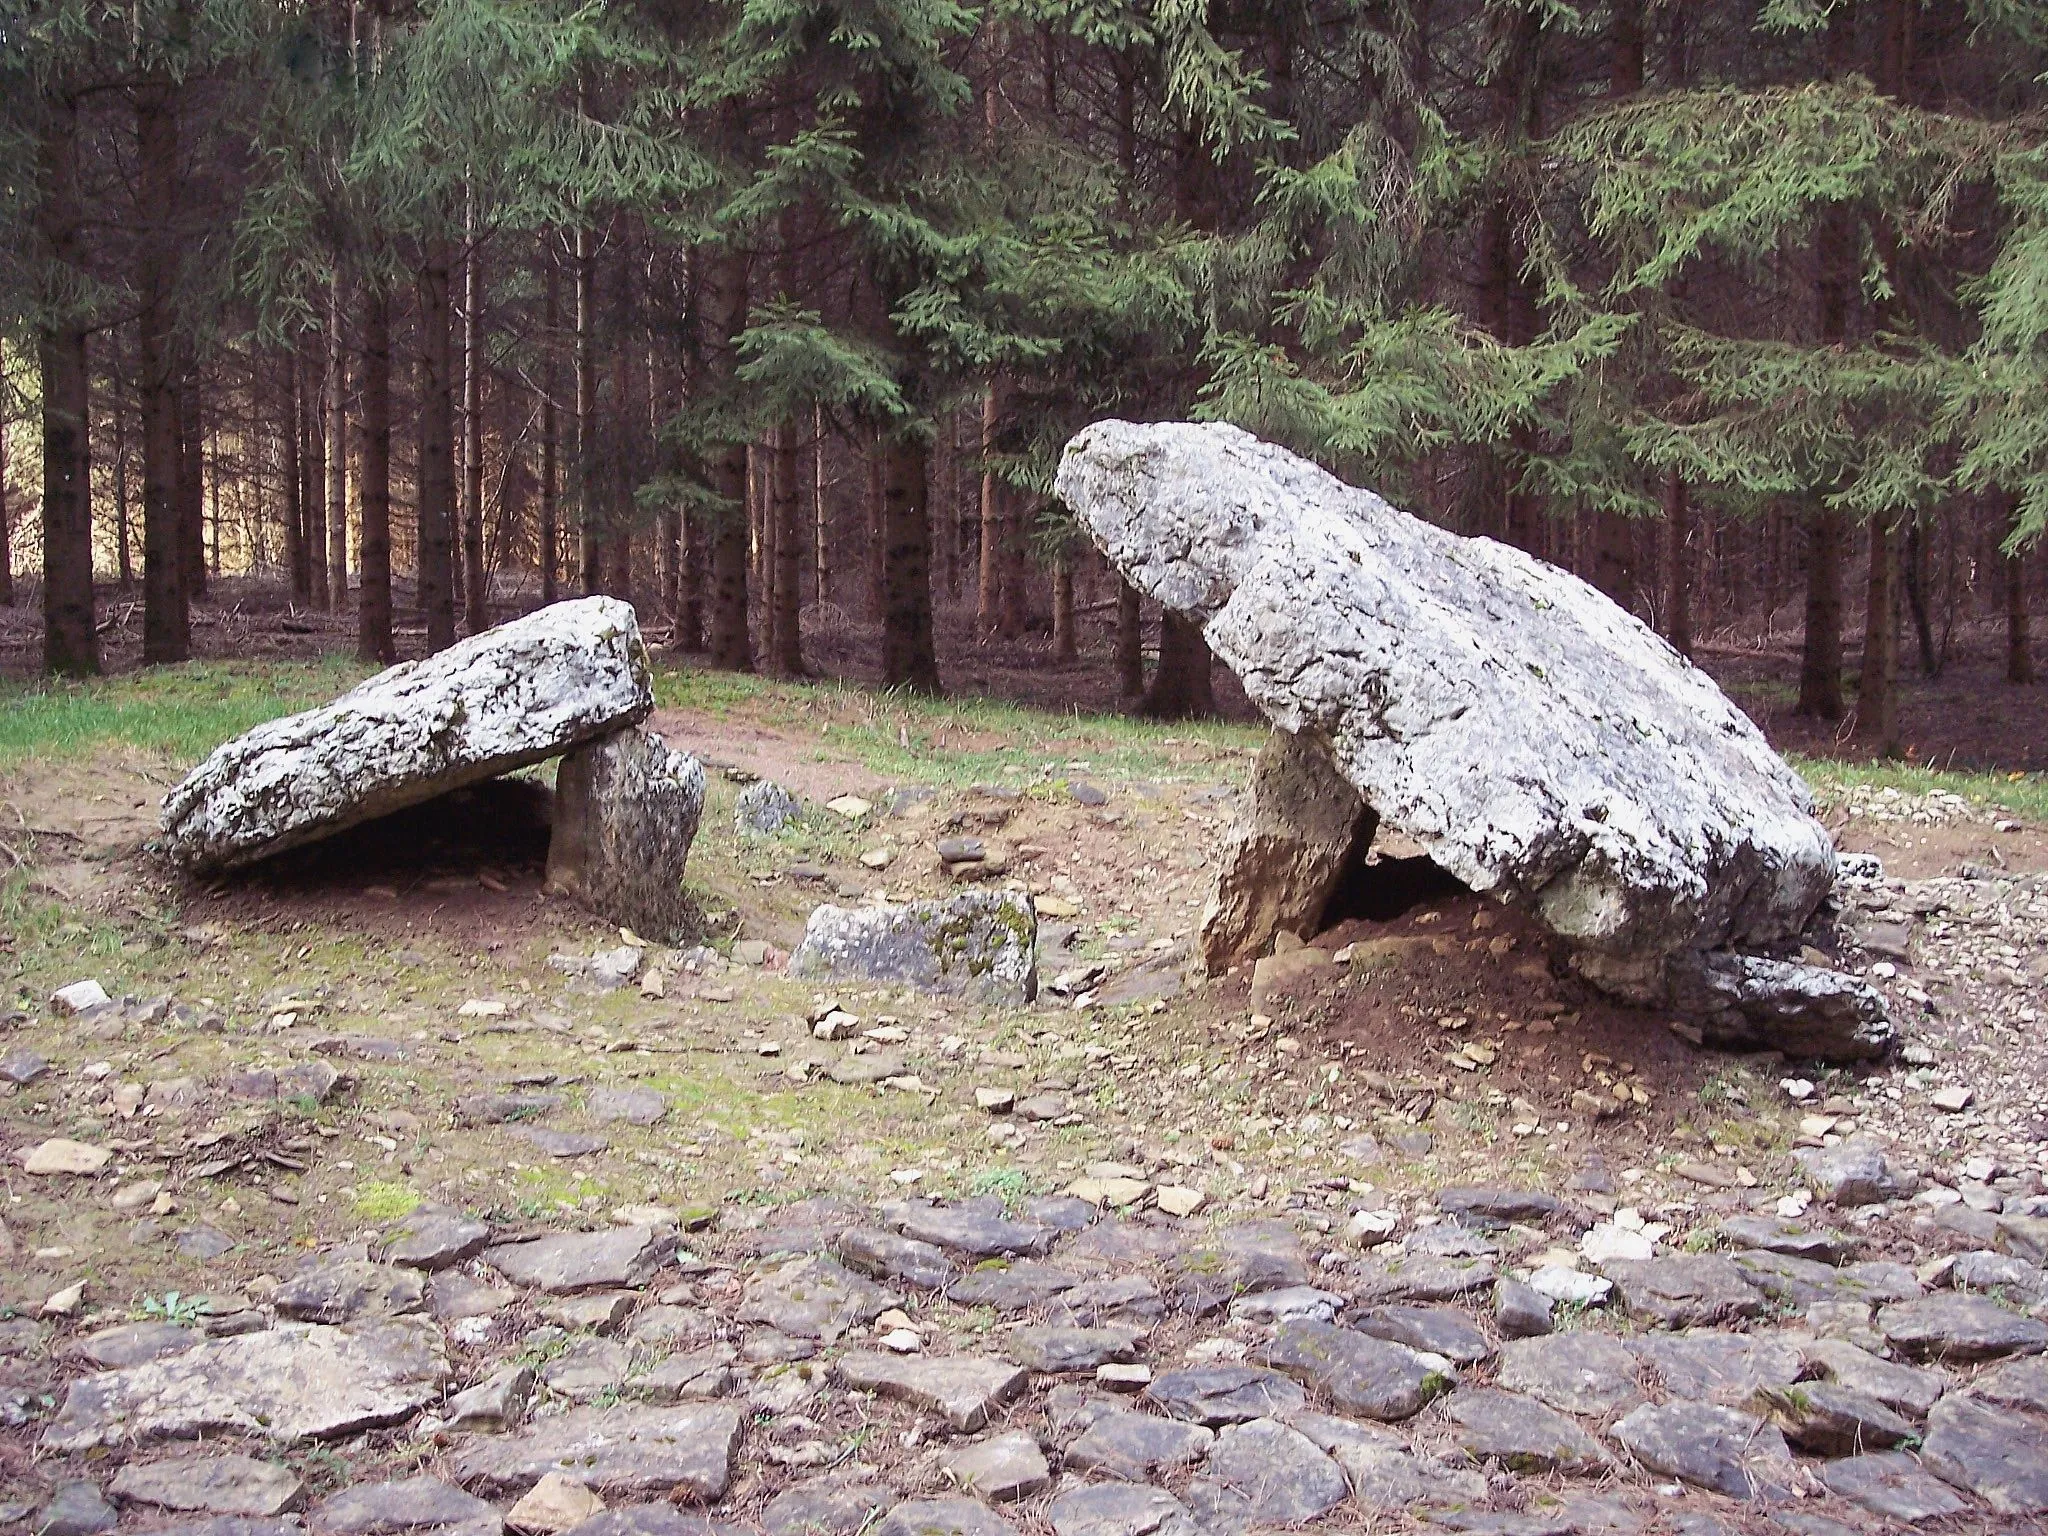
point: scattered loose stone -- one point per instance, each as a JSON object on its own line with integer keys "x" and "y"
{"x": 891, "y": 1256}
{"x": 1891, "y": 1484}
{"x": 22, "y": 1066}
{"x": 1360, "y": 1374}
{"x": 685, "y": 1452}
{"x": 495, "y": 1403}
{"x": 1520, "y": 1311}
{"x": 2001, "y": 1457}
{"x": 1214, "y": 1395}
{"x": 1127, "y": 1299}
{"x": 1487, "y": 1204}
{"x": 1522, "y": 1434}
{"x": 1774, "y": 1234}
{"x": 59, "y": 1155}
{"x": 967, "y": 1230}
{"x": 1579, "y": 1372}
{"x": 1730, "y": 1452}
{"x": 352, "y": 1289}
{"x": 1954, "y": 1327}
{"x": 764, "y": 807}
{"x": 1271, "y": 1307}
{"x": 554, "y": 1504}
{"x": 127, "y": 1344}
{"x": 1832, "y": 1420}
{"x": 981, "y": 945}
{"x": 1853, "y": 1174}
{"x": 290, "y": 1384}
{"x": 960, "y": 1388}
{"x": 561, "y": 1143}
{"x": 1282, "y": 1476}
{"x": 79, "y": 997}
{"x": 433, "y": 1238}
{"x": 633, "y": 1106}
{"x": 581, "y": 1261}
{"x": 214, "y": 1485}
{"x": 1002, "y": 1469}
{"x": 825, "y": 1506}
{"x": 1421, "y": 1277}
{"x": 1017, "y": 1288}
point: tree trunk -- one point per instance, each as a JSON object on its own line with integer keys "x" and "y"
{"x": 191, "y": 493}
{"x": 1678, "y": 592}
{"x": 820, "y": 555}
{"x": 373, "y": 551}
{"x": 785, "y": 645}
{"x": 690, "y": 622}
{"x": 70, "y": 638}
{"x": 1820, "y": 669}
{"x": 1182, "y": 688}
{"x": 437, "y": 442}
{"x": 337, "y": 457}
{"x": 874, "y": 553}
{"x": 550, "y": 440}
{"x": 908, "y": 659}
{"x": 1877, "y": 691}
{"x": 1130, "y": 641}
{"x": 319, "y": 429}
{"x": 6, "y": 530}
{"x": 124, "y": 551}
{"x": 295, "y": 562}
{"x": 1915, "y": 577}
{"x": 587, "y": 520}
{"x": 476, "y": 586}
{"x": 989, "y": 585}
{"x": 166, "y": 603}
{"x": 2019, "y": 652}
{"x": 725, "y": 312}
{"x": 1065, "y": 644}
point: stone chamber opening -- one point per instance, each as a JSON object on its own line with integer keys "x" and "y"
{"x": 500, "y": 825}
{"x": 1379, "y": 890}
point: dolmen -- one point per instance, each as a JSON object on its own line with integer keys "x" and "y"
{"x": 1539, "y": 743}
{"x": 571, "y": 681}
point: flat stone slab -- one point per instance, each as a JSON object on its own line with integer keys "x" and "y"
{"x": 132, "y": 1343}
{"x": 1538, "y": 742}
{"x": 980, "y": 945}
{"x": 685, "y": 1452}
{"x": 513, "y": 695}
{"x": 580, "y": 1261}
{"x": 352, "y": 1289}
{"x": 1730, "y": 1452}
{"x": 1437, "y": 1330}
{"x": 1953, "y": 1327}
{"x": 1685, "y": 1291}
{"x": 288, "y": 1384}
{"x": 1580, "y": 1372}
{"x": 812, "y": 1298}
{"x": 962, "y": 1389}
{"x": 944, "y": 1517}
{"x": 1774, "y": 1234}
{"x": 634, "y": 1106}
{"x": 1724, "y": 1368}
{"x": 653, "y": 1520}
{"x": 892, "y": 1256}
{"x": 825, "y": 1506}
{"x": 412, "y": 1504}
{"x": 1052, "y": 1349}
{"x": 1910, "y": 1389}
{"x": 1829, "y": 1419}
{"x": 1892, "y": 1484}
{"x": 1522, "y": 1434}
{"x": 213, "y": 1485}
{"x": 2001, "y": 1457}
{"x": 1279, "y": 1473}
{"x": 1214, "y": 1395}
{"x": 965, "y": 1230}
{"x": 1360, "y": 1374}
{"x": 436, "y": 1239}
{"x": 1421, "y": 1277}
{"x": 1136, "y": 1446}
{"x": 2021, "y": 1383}
{"x": 1002, "y": 1468}
{"x": 1014, "y": 1288}
{"x": 1385, "y": 1479}
{"x": 1120, "y": 1509}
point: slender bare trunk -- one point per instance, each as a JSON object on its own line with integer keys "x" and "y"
{"x": 1182, "y": 688}
{"x": 785, "y": 649}
{"x": 908, "y": 658}
{"x": 70, "y": 638}
{"x": 1065, "y": 644}
{"x": 295, "y": 484}
{"x": 725, "y": 310}
{"x": 1877, "y": 691}
{"x": 1678, "y": 523}
{"x": 989, "y": 585}
{"x": 584, "y": 275}
{"x": 124, "y": 552}
{"x": 191, "y": 487}
{"x": 6, "y": 528}
{"x": 820, "y": 569}
{"x": 373, "y": 554}
{"x": 2019, "y": 650}
{"x": 476, "y": 586}
{"x": 550, "y": 439}
{"x": 437, "y": 442}
{"x": 166, "y": 603}
{"x": 337, "y": 456}
{"x": 1820, "y": 670}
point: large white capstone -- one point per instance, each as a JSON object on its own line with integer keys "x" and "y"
{"x": 500, "y": 700}
{"x": 1541, "y": 744}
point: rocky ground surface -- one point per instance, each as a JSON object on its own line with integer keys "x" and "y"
{"x": 386, "y": 1196}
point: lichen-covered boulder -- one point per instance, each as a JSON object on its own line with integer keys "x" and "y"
{"x": 626, "y": 812}
{"x": 500, "y": 700}
{"x": 982, "y": 945}
{"x": 765, "y": 808}
{"x": 1286, "y": 857}
{"x": 1539, "y": 743}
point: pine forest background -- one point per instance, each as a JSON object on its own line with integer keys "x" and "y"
{"x": 772, "y": 315}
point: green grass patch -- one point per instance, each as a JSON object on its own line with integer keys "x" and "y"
{"x": 2024, "y": 795}
{"x": 385, "y": 1201}
{"x": 185, "y": 711}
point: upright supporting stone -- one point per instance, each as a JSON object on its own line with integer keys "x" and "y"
{"x": 1306, "y": 829}
{"x": 626, "y": 812}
